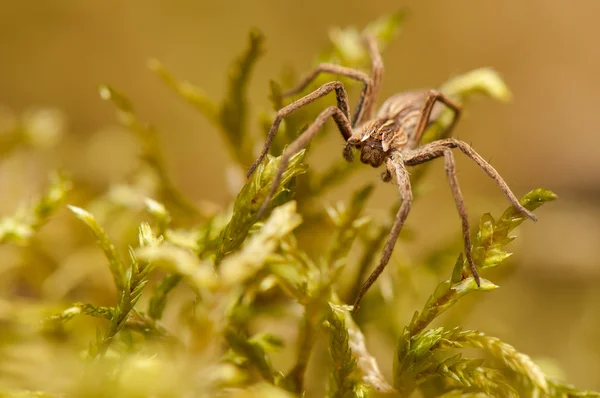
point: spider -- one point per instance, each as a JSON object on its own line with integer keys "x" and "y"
{"x": 390, "y": 137}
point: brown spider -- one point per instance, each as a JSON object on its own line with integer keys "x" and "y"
{"x": 391, "y": 137}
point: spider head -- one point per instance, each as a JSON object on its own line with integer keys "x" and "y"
{"x": 375, "y": 139}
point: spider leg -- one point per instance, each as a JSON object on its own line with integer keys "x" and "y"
{"x": 368, "y": 98}
{"x": 343, "y": 124}
{"x": 432, "y": 97}
{"x": 436, "y": 149}
{"x": 462, "y": 209}
{"x": 341, "y": 71}
{"x": 342, "y": 103}
{"x": 403, "y": 181}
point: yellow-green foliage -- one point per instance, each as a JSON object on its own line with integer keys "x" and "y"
{"x": 205, "y": 303}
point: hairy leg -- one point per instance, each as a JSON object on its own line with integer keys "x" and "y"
{"x": 432, "y": 97}
{"x": 462, "y": 209}
{"x": 436, "y": 149}
{"x": 341, "y": 71}
{"x": 403, "y": 181}
{"x": 368, "y": 98}
{"x": 342, "y": 102}
{"x": 302, "y": 141}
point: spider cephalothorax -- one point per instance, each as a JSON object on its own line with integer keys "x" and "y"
{"x": 376, "y": 138}
{"x": 390, "y": 137}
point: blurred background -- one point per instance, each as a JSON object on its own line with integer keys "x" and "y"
{"x": 55, "y": 54}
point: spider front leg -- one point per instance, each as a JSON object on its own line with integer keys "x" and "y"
{"x": 341, "y": 71}
{"x": 368, "y": 99}
{"x": 302, "y": 141}
{"x": 403, "y": 181}
{"x": 342, "y": 103}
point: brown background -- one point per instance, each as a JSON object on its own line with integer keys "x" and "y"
{"x": 55, "y": 53}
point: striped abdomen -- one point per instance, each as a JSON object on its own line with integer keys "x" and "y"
{"x": 405, "y": 110}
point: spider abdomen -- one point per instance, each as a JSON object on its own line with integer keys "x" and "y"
{"x": 406, "y": 109}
